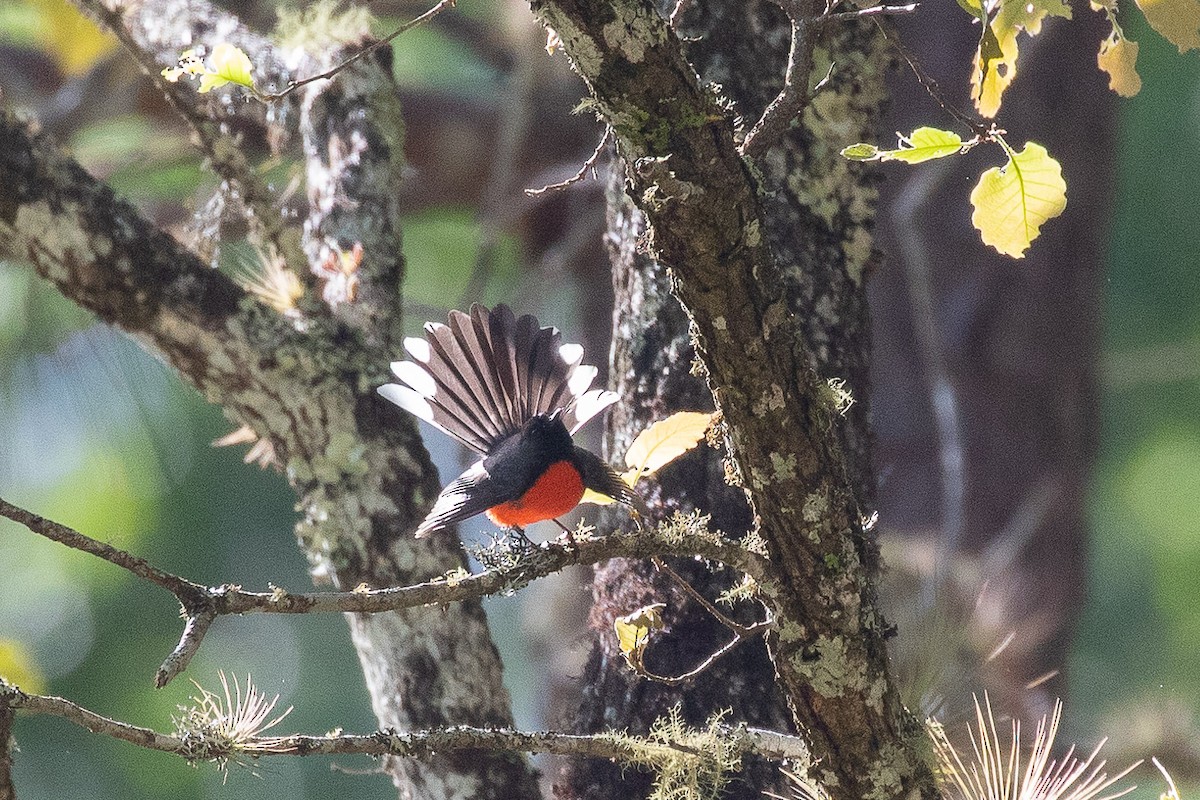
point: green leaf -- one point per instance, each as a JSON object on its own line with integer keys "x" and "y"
{"x": 861, "y": 152}
{"x": 923, "y": 144}
{"x": 1012, "y": 202}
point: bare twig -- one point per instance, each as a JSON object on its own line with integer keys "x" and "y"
{"x": 204, "y": 604}
{"x": 865, "y": 13}
{"x": 795, "y": 94}
{"x": 734, "y": 626}
{"x": 787, "y": 105}
{"x": 590, "y": 164}
{"x": 739, "y": 636}
{"x": 185, "y": 590}
{"x": 978, "y": 127}
{"x": 441, "y": 6}
{"x": 767, "y": 743}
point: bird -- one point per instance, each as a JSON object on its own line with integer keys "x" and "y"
{"x": 514, "y": 392}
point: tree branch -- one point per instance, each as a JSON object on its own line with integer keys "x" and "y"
{"x": 103, "y": 255}
{"x": 391, "y": 742}
{"x": 682, "y": 536}
{"x": 778, "y": 116}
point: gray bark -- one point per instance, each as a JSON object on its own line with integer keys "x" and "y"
{"x": 769, "y": 283}
{"x": 361, "y": 475}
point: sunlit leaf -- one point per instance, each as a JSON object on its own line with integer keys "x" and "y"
{"x": 993, "y": 75}
{"x": 1012, "y": 202}
{"x": 666, "y": 440}
{"x": 923, "y": 144}
{"x": 1118, "y": 57}
{"x": 18, "y": 668}
{"x": 861, "y": 152}
{"x": 228, "y": 64}
{"x": 1176, "y": 20}
{"x": 634, "y": 629}
{"x": 995, "y": 64}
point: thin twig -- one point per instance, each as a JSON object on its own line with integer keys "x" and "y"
{"x": 777, "y": 117}
{"x": 864, "y": 13}
{"x": 978, "y": 127}
{"x": 204, "y": 604}
{"x": 734, "y": 626}
{"x": 769, "y": 744}
{"x": 329, "y": 73}
{"x": 185, "y": 590}
{"x": 738, "y": 637}
{"x": 787, "y": 105}
{"x": 590, "y": 164}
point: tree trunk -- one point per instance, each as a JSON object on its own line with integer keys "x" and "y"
{"x": 776, "y": 312}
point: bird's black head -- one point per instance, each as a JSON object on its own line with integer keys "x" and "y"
{"x": 520, "y": 459}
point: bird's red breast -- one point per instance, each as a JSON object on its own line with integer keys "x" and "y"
{"x": 556, "y": 492}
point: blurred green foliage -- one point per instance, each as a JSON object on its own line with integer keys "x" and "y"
{"x": 1135, "y": 663}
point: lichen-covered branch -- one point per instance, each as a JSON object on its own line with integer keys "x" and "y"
{"x": 390, "y": 742}
{"x": 782, "y": 420}
{"x": 681, "y": 536}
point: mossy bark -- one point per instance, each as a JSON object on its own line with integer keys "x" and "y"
{"x": 768, "y": 262}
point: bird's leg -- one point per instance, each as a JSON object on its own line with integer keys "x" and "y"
{"x": 519, "y": 533}
{"x": 570, "y": 534}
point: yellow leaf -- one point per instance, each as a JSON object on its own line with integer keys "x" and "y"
{"x": 634, "y": 629}
{"x": 1176, "y": 20}
{"x": 666, "y": 440}
{"x": 75, "y": 41}
{"x": 595, "y": 498}
{"x": 992, "y": 77}
{"x": 1118, "y": 57}
{"x": 1012, "y": 202}
{"x": 994, "y": 71}
{"x": 17, "y": 667}
{"x": 228, "y": 65}
{"x": 630, "y": 477}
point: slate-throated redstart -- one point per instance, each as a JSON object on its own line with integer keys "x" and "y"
{"x": 513, "y": 392}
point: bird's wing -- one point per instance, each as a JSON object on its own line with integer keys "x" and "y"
{"x": 469, "y": 494}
